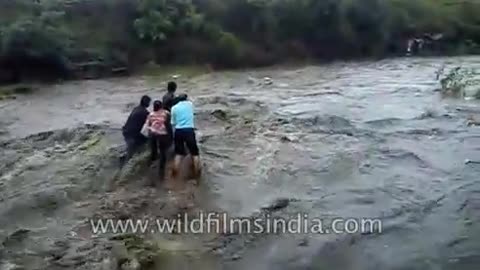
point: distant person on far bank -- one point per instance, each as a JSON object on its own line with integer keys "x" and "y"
{"x": 169, "y": 97}
{"x": 132, "y": 130}
{"x": 182, "y": 117}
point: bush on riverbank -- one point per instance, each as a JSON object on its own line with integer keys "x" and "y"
{"x": 56, "y": 35}
{"x": 460, "y": 82}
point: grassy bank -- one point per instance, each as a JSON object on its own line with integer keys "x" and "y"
{"x": 93, "y": 38}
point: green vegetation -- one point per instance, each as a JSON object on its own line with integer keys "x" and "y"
{"x": 460, "y": 82}
{"x": 11, "y": 91}
{"x": 62, "y": 38}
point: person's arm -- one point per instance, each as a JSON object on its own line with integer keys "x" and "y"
{"x": 169, "y": 125}
{"x": 145, "y": 115}
{"x": 149, "y": 120}
{"x": 172, "y": 119}
{"x": 193, "y": 116}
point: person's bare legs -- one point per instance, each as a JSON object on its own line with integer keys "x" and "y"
{"x": 176, "y": 165}
{"x": 197, "y": 169}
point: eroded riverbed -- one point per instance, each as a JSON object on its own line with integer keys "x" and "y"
{"x": 351, "y": 140}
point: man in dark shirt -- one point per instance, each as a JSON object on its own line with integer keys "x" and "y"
{"x": 133, "y": 127}
{"x": 169, "y": 97}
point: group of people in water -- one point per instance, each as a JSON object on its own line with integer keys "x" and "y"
{"x": 171, "y": 120}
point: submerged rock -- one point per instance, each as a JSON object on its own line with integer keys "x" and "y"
{"x": 16, "y": 237}
{"x": 305, "y": 242}
{"x": 60, "y": 149}
{"x": 220, "y": 114}
{"x": 236, "y": 257}
{"x": 276, "y": 205}
{"x": 472, "y": 121}
{"x": 468, "y": 161}
{"x": 267, "y": 81}
{"x": 289, "y": 138}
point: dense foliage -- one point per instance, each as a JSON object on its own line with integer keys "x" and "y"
{"x": 225, "y": 33}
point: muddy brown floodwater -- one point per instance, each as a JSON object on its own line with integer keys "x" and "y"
{"x": 349, "y": 139}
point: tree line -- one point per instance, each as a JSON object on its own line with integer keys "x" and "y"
{"x": 49, "y": 37}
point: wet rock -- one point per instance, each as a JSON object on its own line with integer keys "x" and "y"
{"x": 71, "y": 260}
{"x": 59, "y": 149}
{"x": 89, "y": 167}
{"x": 304, "y": 243}
{"x": 16, "y": 237}
{"x": 220, "y": 114}
{"x": 57, "y": 253}
{"x": 267, "y": 81}
{"x": 248, "y": 121}
{"x": 428, "y": 114}
{"x": 330, "y": 123}
{"x": 468, "y": 222}
{"x": 276, "y": 205}
{"x": 468, "y": 161}
{"x": 289, "y": 138}
{"x": 472, "y": 122}
{"x": 457, "y": 241}
{"x": 236, "y": 257}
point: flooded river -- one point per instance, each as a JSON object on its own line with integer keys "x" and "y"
{"x": 349, "y": 139}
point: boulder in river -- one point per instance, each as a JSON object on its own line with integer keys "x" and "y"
{"x": 220, "y": 114}
{"x": 276, "y": 205}
{"x": 289, "y": 138}
{"x": 472, "y": 121}
{"x": 267, "y": 81}
{"x": 17, "y": 236}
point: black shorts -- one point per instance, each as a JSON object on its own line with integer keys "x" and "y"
{"x": 186, "y": 136}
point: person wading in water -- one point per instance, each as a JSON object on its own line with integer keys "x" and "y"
{"x": 184, "y": 134}
{"x": 132, "y": 130}
{"x": 169, "y": 97}
{"x": 160, "y": 133}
